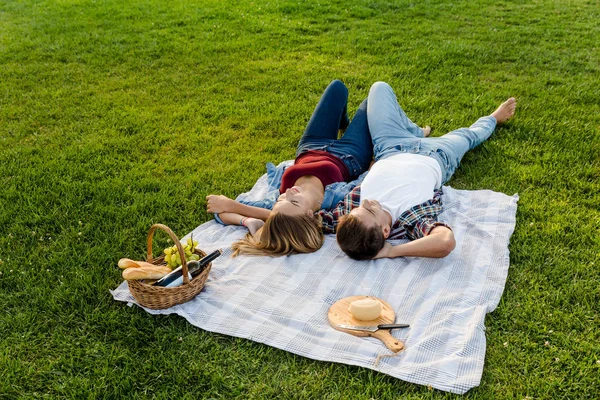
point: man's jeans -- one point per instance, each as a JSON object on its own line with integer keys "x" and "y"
{"x": 393, "y": 133}
{"x": 355, "y": 148}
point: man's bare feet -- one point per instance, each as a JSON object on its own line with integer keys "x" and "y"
{"x": 505, "y": 111}
{"x": 426, "y": 131}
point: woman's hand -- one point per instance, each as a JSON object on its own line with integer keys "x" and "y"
{"x": 253, "y": 225}
{"x": 218, "y": 203}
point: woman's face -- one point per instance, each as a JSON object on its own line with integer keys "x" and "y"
{"x": 293, "y": 202}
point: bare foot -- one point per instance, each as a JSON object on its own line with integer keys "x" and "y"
{"x": 426, "y": 131}
{"x": 505, "y": 111}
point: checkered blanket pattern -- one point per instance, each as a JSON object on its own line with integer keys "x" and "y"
{"x": 283, "y": 302}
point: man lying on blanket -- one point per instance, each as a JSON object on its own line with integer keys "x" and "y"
{"x": 400, "y": 196}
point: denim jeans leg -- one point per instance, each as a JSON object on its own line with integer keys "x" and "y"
{"x": 450, "y": 148}
{"x": 355, "y": 148}
{"x": 387, "y": 121}
{"x": 329, "y": 116}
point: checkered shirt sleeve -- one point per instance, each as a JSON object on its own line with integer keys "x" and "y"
{"x": 419, "y": 221}
{"x": 330, "y": 218}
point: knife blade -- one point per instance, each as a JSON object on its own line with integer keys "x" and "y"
{"x": 373, "y": 328}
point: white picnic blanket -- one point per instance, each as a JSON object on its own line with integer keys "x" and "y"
{"x": 283, "y": 302}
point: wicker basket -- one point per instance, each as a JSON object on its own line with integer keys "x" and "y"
{"x": 157, "y": 297}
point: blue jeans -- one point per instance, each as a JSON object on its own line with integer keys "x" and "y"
{"x": 393, "y": 132}
{"x": 355, "y": 147}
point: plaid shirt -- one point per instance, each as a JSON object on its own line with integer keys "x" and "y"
{"x": 414, "y": 223}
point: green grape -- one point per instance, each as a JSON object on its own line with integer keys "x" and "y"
{"x": 195, "y": 257}
{"x": 168, "y": 258}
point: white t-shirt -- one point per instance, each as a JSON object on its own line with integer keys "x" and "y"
{"x": 401, "y": 181}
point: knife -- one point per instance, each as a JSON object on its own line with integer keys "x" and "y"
{"x": 373, "y": 328}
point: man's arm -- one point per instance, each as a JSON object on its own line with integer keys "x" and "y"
{"x": 222, "y": 205}
{"x": 439, "y": 243}
{"x": 330, "y": 218}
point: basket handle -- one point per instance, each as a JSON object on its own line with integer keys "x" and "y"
{"x": 174, "y": 238}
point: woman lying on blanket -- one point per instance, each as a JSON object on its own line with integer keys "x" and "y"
{"x": 325, "y": 170}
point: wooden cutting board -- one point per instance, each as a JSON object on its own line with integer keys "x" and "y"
{"x": 339, "y": 315}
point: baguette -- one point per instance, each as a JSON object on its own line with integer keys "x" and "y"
{"x": 125, "y": 263}
{"x": 146, "y": 272}
{"x": 147, "y": 264}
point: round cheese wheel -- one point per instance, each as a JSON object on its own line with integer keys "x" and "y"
{"x": 366, "y": 309}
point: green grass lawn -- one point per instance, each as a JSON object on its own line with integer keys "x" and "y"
{"x": 118, "y": 114}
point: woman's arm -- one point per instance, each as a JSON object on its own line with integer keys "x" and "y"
{"x": 253, "y": 224}
{"x": 439, "y": 243}
{"x": 232, "y": 218}
{"x": 221, "y": 204}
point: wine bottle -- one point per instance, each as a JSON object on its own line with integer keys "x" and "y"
{"x": 195, "y": 268}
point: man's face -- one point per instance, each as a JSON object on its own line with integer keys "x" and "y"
{"x": 371, "y": 214}
{"x": 293, "y": 202}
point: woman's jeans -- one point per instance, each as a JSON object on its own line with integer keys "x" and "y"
{"x": 393, "y": 133}
{"x": 355, "y": 148}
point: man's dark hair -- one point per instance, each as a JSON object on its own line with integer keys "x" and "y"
{"x": 358, "y": 241}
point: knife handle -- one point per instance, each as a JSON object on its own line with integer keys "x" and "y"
{"x": 392, "y": 326}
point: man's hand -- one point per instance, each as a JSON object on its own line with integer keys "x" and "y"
{"x": 385, "y": 252}
{"x": 218, "y": 203}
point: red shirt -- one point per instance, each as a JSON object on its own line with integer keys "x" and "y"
{"x": 325, "y": 166}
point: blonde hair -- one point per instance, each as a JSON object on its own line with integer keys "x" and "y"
{"x": 282, "y": 235}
